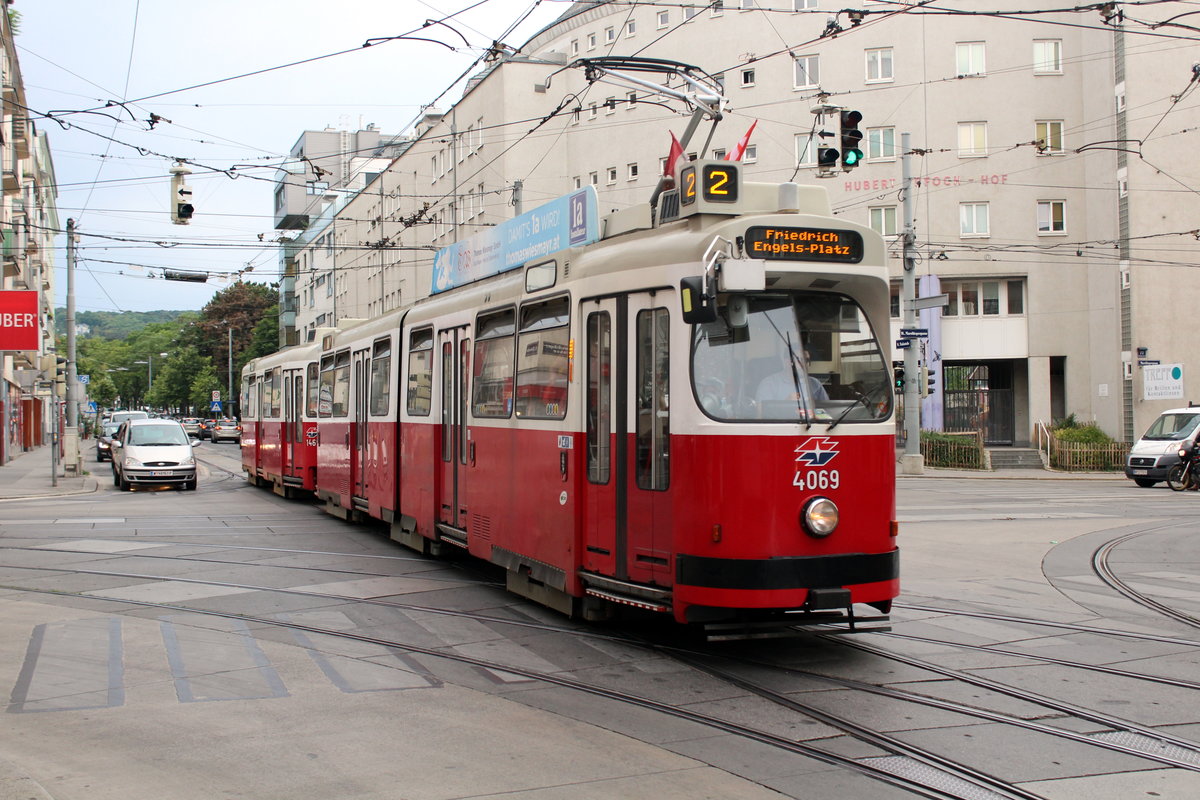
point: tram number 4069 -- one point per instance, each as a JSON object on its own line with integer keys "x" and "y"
{"x": 818, "y": 479}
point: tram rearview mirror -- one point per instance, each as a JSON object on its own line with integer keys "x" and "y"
{"x": 698, "y": 307}
{"x": 737, "y": 311}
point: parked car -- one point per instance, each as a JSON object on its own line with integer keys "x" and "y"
{"x": 153, "y": 452}
{"x": 226, "y": 429}
{"x": 120, "y": 416}
{"x": 104, "y": 437}
{"x": 1152, "y": 456}
{"x": 192, "y": 426}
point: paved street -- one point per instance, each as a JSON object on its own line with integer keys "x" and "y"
{"x": 151, "y": 636}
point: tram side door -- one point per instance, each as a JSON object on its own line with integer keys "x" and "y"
{"x": 358, "y": 457}
{"x": 627, "y": 436}
{"x": 454, "y": 371}
{"x": 286, "y": 447}
{"x": 294, "y": 422}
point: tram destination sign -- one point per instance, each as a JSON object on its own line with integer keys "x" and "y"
{"x": 804, "y": 244}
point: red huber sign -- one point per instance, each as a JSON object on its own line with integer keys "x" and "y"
{"x": 19, "y": 321}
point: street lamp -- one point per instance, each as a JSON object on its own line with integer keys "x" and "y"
{"x": 149, "y": 362}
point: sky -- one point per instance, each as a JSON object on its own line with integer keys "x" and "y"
{"x": 115, "y": 79}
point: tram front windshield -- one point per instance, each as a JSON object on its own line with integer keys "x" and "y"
{"x": 794, "y": 357}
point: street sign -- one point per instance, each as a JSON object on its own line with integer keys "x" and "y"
{"x": 92, "y": 406}
{"x": 215, "y": 407}
{"x": 1148, "y": 362}
{"x": 85, "y": 379}
{"x": 903, "y": 344}
{"x": 914, "y": 333}
{"x": 216, "y": 395}
{"x": 933, "y": 301}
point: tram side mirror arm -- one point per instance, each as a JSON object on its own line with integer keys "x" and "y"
{"x": 699, "y": 306}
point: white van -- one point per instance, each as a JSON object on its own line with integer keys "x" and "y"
{"x": 1158, "y": 449}
{"x": 120, "y": 416}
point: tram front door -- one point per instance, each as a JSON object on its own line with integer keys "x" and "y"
{"x": 627, "y": 427}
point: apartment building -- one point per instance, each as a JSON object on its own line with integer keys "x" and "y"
{"x": 28, "y": 222}
{"x": 1051, "y": 202}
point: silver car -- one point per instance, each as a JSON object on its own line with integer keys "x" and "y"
{"x": 153, "y": 452}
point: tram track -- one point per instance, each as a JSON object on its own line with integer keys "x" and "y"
{"x": 1185, "y": 755}
{"x": 996, "y": 788}
{"x": 1104, "y": 571}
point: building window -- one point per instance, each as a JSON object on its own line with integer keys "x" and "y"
{"x": 610, "y": 35}
{"x": 883, "y": 220}
{"x": 1049, "y": 137}
{"x": 1047, "y": 57}
{"x": 751, "y": 154}
{"x": 969, "y": 58}
{"x": 747, "y": 77}
{"x": 578, "y": 181}
{"x": 574, "y": 47}
{"x": 803, "y": 5}
{"x": 881, "y": 143}
{"x": 612, "y": 175}
{"x": 610, "y": 105}
{"x": 988, "y": 297}
{"x": 1052, "y": 216}
{"x": 630, "y": 101}
{"x": 972, "y": 139}
{"x": 748, "y": 5}
{"x": 592, "y": 111}
{"x": 591, "y": 41}
{"x": 807, "y": 72}
{"x": 879, "y": 64}
{"x": 689, "y": 12}
{"x": 630, "y": 27}
{"x": 664, "y": 19}
{"x": 973, "y": 219}
{"x": 894, "y": 300}
{"x": 806, "y": 150}
{"x": 716, "y": 8}
{"x": 631, "y": 172}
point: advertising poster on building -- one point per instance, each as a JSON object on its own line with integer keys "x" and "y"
{"x": 19, "y": 328}
{"x": 1162, "y": 382}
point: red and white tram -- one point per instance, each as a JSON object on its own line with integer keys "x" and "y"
{"x": 692, "y": 415}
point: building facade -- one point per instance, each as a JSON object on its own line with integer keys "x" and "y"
{"x": 1051, "y": 204}
{"x": 28, "y": 224}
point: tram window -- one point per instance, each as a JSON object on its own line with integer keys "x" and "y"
{"x": 542, "y": 366}
{"x": 599, "y": 396}
{"x": 420, "y": 372}
{"x": 341, "y": 384}
{"x": 249, "y": 397}
{"x": 276, "y": 392}
{"x": 325, "y": 396}
{"x": 270, "y": 394}
{"x": 381, "y": 377}
{"x": 653, "y": 439}
{"x": 839, "y": 364}
{"x": 492, "y": 394}
{"x": 314, "y": 383}
{"x": 447, "y": 401}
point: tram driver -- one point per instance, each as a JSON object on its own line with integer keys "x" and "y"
{"x": 781, "y": 386}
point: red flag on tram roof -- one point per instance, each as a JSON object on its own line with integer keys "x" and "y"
{"x": 740, "y": 148}
{"x": 673, "y": 156}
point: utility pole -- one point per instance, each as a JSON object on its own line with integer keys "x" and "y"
{"x": 911, "y": 463}
{"x": 71, "y": 460}
{"x": 518, "y": 208}
{"x": 230, "y": 354}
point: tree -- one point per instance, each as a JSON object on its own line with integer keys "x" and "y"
{"x": 239, "y": 309}
{"x": 203, "y": 385}
{"x": 173, "y": 383}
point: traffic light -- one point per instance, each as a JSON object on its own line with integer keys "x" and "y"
{"x": 923, "y": 381}
{"x": 930, "y": 382}
{"x": 181, "y": 196}
{"x": 898, "y": 374}
{"x": 827, "y": 157}
{"x": 851, "y": 138}
{"x": 60, "y": 376}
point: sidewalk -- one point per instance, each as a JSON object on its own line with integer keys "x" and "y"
{"x": 1015, "y": 474}
{"x": 28, "y": 476}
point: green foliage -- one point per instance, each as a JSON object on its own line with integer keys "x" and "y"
{"x": 1083, "y": 434}
{"x": 203, "y": 385}
{"x": 957, "y": 451}
{"x": 1068, "y": 421}
{"x": 115, "y": 325}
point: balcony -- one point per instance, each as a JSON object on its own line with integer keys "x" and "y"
{"x": 8, "y": 253}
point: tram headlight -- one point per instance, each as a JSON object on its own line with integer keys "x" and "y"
{"x": 820, "y": 517}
